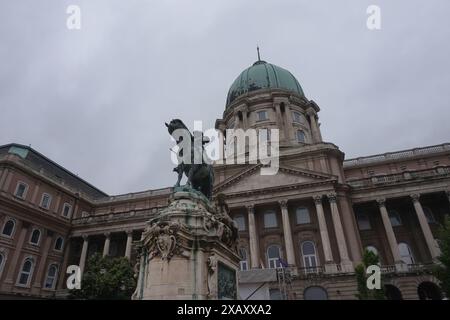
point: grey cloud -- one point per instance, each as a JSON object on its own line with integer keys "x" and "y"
{"x": 95, "y": 100}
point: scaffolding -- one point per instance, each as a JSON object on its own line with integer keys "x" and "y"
{"x": 284, "y": 278}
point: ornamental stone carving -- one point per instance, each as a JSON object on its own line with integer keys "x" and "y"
{"x": 161, "y": 239}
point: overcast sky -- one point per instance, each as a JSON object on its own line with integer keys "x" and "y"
{"x": 95, "y": 100}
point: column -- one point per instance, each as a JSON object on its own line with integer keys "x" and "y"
{"x": 107, "y": 243}
{"x": 236, "y": 121}
{"x": 389, "y": 231}
{"x": 129, "y": 243}
{"x": 3, "y": 175}
{"x": 15, "y": 259}
{"x": 431, "y": 243}
{"x": 280, "y": 123}
{"x": 35, "y": 194}
{"x": 323, "y": 230}
{"x": 314, "y": 126}
{"x": 339, "y": 231}
{"x": 7, "y": 182}
{"x": 58, "y": 200}
{"x": 62, "y": 274}
{"x": 254, "y": 247}
{"x": 43, "y": 261}
{"x": 287, "y": 233}
{"x": 83, "y": 254}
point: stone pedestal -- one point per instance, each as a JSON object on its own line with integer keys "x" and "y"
{"x": 188, "y": 251}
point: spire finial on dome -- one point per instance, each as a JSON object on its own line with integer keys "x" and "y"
{"x": 257, "y": 49}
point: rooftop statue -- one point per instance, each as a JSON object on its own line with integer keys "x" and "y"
{"x": 200, "y": 176}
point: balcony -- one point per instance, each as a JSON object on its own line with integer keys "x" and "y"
{"x": 418, "y": 268}
{"x": 407, "y": 176}
{"x": 389, "y": 156}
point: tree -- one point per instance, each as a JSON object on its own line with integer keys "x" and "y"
{"x": 442, "y": 271}
{"x": 364, "y": 293}
{"x": 106, "y": 278}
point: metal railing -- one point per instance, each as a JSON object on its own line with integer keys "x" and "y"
{"x": 397, "y": 155}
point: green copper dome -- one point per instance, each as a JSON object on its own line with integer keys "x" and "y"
{"x": 263, "y": 75}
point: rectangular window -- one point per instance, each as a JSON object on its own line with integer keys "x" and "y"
{"x": 270, "y": 219}
{"x": 297, "y": 117}
{"x": 45, "y": 201}
{"x": 21, "y": 190}
{"x": 302, "y": 215}
{"x": 240, "y": 222}
{"x": 67, "y": 210}
{"x": 262, "y": 115}
{"x": 363, "y": 221}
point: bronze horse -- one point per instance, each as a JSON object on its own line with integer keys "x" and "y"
{"x": 199, "y": 176}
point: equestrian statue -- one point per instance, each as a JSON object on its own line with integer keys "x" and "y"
{"x": 200, "y": 176}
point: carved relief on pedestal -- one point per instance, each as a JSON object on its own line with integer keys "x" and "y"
{"x": 161, "y": 239}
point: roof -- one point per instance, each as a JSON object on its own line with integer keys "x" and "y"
{"x": 263, "y": 75}
{"x": 54, "y": 171}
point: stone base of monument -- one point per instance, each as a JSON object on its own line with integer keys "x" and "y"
{"x": 188, "y": 251}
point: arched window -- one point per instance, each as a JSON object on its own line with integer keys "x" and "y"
{"x": 302, "y": 215}
{"x": 429, "y": 215}
{"x": 26, "y": 272}
{"x": 429, "y": 291}
{"x": 363, "y": 221}
{"x": 35, "y": 236}
{"x": 273, "y": 256}
{"x": 395, "y": 218}
{"x": 8, "y": 228}
{"x": 244, "y": 262}
{"x": 301, "y": 136}
{"x": 315, "y": 293}
{"x": 270, "y": 219}
{"x": 51, "y": 277}
{"x": 59, "y": 243}
{"x": 392, "y": 292}
{"x": 405, "y": 253}
{"x": 372, "y": 249}
{"x": 309, "y": 254}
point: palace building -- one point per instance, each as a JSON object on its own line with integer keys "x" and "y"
{"x": 301, "y": 231}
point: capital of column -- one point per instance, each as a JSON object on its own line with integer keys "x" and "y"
{"x": 381, "y": 202}
{"x": 311, "y": 112}
{"x": 332, "y": 197}
{"x": 107, "y": 234}
{"x": 85, "y": 237}
{"x": 129, "y": 232}
{"x": 283, "y": 204}
{"x": 250, "y": 208}
{"x": 318, "y": 199}
{"x": 415, "y": 197}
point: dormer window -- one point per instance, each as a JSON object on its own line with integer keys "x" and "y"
{"x": 262, "y": 115}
